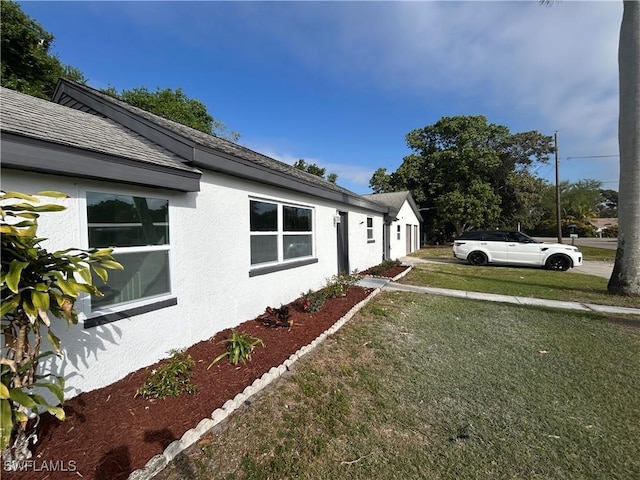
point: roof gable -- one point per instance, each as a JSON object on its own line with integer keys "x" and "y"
{"x": 395, "y": 200}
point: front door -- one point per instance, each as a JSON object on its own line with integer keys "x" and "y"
{"x": 342, "y": 229}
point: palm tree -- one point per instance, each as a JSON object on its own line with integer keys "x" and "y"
{"x": 625, "y": 279}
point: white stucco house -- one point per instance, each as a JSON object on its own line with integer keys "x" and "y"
{"x": 402, "y": 228}
{"x": 210, "y": 233}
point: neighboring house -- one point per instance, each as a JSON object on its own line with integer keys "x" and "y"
{"x": 601, "y": 224}
{"x": 210, "y": 233}
{"x": 402, "y": 228}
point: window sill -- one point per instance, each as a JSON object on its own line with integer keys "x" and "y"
{"x": 254, "y": 272}
{"x": 371, "y": 241}
{"x": 130, "y": 312}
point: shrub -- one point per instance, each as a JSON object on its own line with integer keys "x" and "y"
{"x": 313, "y": 301}
{"x": 338, "y": 285}
{"x": 170, "y": 379}
{"x": 384, "y": 266}
{"x": 240, "y": 346}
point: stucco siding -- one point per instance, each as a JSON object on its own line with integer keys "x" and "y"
{"x": 405, "y": 216}
{"x": 209, "y": 267}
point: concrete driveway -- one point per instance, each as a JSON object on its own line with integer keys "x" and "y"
{"x": 600, "y": 269}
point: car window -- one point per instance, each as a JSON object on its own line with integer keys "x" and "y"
{"x": 520, "y": 237}
{"x": 494, "y": 237}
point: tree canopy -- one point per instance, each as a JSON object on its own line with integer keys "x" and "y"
{"x": 314, "y": 169}
{"x": 27, "y": 65}
{"x": 475, "y": 173}
{"x": 177, "y": 106}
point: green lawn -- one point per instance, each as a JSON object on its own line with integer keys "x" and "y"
{"x": 419, "y": 386}
{"x": 522, "y": 282}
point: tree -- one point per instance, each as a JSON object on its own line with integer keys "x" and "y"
{"x": 475, "y": 173}
{"x": 314, "y": 169}
{"x": 177, "y": 106}
{"x": 27, "y": 65}
{"x": 580, "y": 200}
{"x": 380, "y": 181}
{"x": 35, "y": 284}
{"x": 625, "y": 279}
{"x": 608, "y": 207}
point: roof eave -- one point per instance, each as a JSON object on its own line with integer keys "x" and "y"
{"x": 25, "y": 153}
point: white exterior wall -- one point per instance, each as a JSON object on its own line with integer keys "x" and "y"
{"x": 405, "y": 216}
{"x": 210, "y": 263}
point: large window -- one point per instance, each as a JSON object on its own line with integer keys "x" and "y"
{"x": 279, "y": 232}
{"x": 138, "y": 230}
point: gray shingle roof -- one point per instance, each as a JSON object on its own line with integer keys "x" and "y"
{"x": 215, "y": 143}
{"x": 394, "y": 200}
{"x": 43, "y": 120}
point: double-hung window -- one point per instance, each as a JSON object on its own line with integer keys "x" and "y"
{"x": 138, "y": 230}
{"x": 370, "y": 238}
{"x": 280, "y": 232}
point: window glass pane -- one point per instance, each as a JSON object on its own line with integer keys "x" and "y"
{"x": 297, "y": 246}
{"x": 263, "y": 217}
{"x": 264, "y": 248}
{"x": 495, "y": 237}
{"x": 369, "y": 222}
{"x": 126, "y": 221}
{"x": 145, "y": 274}
{"x": 369, "y": 233}
{"x": 297, "y": 219}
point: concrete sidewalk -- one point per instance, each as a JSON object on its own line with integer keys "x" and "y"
{"x": 387, "y": 284}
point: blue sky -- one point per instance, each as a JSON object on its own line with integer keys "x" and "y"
{"x": 340, "y": 84}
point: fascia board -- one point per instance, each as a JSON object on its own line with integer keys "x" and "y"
{"x": 23, "y": 153}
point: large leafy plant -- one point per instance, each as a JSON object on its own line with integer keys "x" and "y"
{"x": 36, "y": 288}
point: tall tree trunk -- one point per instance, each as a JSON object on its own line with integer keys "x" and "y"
{"x": 625, "y": 279}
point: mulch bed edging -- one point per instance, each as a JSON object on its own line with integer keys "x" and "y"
{"x": 159, "y": 462}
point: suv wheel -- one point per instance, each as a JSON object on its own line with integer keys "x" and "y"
{"x": 558, "y": 262}
{"x": 477, "y": 258}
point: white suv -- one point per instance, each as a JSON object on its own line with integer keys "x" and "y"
{"x": 482, "y": 247}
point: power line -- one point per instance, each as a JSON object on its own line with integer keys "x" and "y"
{"x": 592, "y": 156}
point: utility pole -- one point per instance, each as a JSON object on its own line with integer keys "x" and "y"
{"x": 555, "y": 139}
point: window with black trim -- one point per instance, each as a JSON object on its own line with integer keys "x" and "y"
{"x": 279, "y": 232}
{"x": 398, "y": 232}
{"x": 137, "y": 228}
{"x": 370, "y": 238}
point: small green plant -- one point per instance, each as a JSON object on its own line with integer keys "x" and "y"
{"x": 170, "y": 379}
{"x": 276, "y": 317}
{"x": 313, "y": 301}
{"x": 338, "y": 285}
{"x": 240, "y": 346}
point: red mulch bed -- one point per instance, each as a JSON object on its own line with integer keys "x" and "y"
{"x": 108, "y": 433}
{"x": 389, "y": 273}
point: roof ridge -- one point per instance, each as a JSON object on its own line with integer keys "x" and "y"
{"x": 191, "y": 132}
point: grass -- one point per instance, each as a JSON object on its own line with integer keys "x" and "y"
{"x": 598, "y": 254}
{"x": 522, "y": 282}
{"x": 419, "y": 386}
